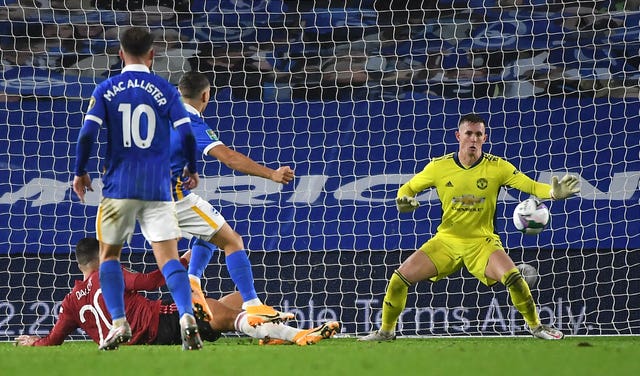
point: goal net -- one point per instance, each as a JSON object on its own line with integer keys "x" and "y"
{"x": 356, "y": 98}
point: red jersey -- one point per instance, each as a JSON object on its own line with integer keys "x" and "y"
{"x": 84, "y": 308}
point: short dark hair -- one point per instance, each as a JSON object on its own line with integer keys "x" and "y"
{"x": 192, "y": 84}
{"x": 472, "y": 118}
{"x": 87, "y": 250}
{"x": 136, "y": 41}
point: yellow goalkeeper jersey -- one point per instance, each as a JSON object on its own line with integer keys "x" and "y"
{"x": 469, "y": 195}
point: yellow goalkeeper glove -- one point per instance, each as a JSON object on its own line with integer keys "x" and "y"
{"x": 407, "y": 204}
{"x": 565, "y": 188}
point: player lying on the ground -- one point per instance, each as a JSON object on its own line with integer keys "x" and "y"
{"x": 155, "y": 321}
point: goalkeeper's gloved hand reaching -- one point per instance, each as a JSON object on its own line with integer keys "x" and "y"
{"x": 407, "y": 204}
{"x": 565, "y": 188}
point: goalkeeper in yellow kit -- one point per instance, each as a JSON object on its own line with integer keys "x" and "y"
{"x": 467, "y": 183}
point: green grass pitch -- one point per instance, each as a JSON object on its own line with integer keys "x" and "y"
{"x": 521, "y": 356}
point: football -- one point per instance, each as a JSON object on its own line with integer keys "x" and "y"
{"x": 529, "y": 274}
{"x": 531, "y": 216}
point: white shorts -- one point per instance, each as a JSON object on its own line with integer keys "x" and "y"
{"x": 116, "y": 220}
{"x": 197, "y": 218}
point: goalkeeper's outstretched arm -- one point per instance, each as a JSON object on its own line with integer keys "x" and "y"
{"x": 556, "y": 190}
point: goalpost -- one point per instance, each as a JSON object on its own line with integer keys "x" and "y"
{"x": 356, "y": 99}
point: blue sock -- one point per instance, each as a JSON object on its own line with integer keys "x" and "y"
{"x": 112, "y": 284}
{"x": 201, "y": 252}
{"x": 177, "y": 281}
{"x": 239, "y": 269}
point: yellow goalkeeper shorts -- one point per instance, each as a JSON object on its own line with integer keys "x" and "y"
{"x": 450, "y": 254}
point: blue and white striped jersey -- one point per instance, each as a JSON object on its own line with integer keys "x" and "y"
{"x": 138, "y": 110}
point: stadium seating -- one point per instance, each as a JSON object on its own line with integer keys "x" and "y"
{"x": 474, "y": 44}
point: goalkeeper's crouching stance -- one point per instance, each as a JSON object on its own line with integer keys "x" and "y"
{"x": 468, "y": 183}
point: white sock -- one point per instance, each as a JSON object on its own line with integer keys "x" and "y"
{"x": 271, "y": 330}
{"x": 252, "y": 302}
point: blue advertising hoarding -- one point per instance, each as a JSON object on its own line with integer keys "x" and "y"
{"x": 349, "y": 160}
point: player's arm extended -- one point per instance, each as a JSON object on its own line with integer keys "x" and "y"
{"x": 405, "y": 199}
{"x": 525, "y": 184}
{"x": 146, "y": 281}
{"x": 62, "y": 328}
{"x": 557, "y": 190}
{"x": 514, "y": 178}
{"x": 241, "y": 163}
